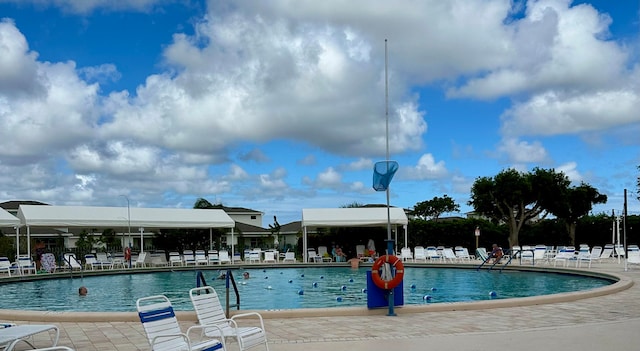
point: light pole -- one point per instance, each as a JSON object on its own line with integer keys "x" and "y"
{"x": 477, "y": 233}
{"x": 128, "y": 223}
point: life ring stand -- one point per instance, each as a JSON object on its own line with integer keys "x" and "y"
{"x": 394, "y": 261}
{"x": 127, "y": 254}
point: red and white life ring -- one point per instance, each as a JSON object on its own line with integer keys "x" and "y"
{"x": 394, "y": 261}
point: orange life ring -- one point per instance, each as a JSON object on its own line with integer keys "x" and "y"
{"x": 127, "y": 254}
{"x": 394, "y": 261}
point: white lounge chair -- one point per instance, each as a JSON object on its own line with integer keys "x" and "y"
{"x": 91, "y": 262}
{"x": 210, "y": 313}
{"x": 565, "y": 254}
{"x": 17, "y": 334}
{"x": 213, "y": 257}
{"x": 360, "y": 251}
{"x": 449, "y": 255}
{"x": 163, "y": 331}
{"x": 224, "y": 256}
{"x": 71, "y": 262}
{"x": 6, "y": 266}
{"x": 142, "y": 260}
{"x": 103, "y": 260}
{"x": 462, "y": 253}
{"x": 432, "y": 254}
{"x": 159, "y": 259}
{"x": 201, "y": 257}
{"x": 607, "y": 252}
{"x": 175, "y": 259}
{"x": 254, "y": 256}
{"x": 633, "y": 255}
{"x": 269, "y": 257}
{"x": 237, "y": 258}
{"x": 419, "y": 254}
{"x": 26, "y": 265}
{"x": 527, "y": 254}
{"x": 584, "y": 254}
{"x": 312, "y": 256}
{"x": 406, "y": 255}
{"x": 289, "y": 256}
{"x": 188, "y": 257}
{"x": 539, "y": 253}
{"x": 481, "y": 254}
{"x": 322, "y": 251}
{"x": 594, "y": 256}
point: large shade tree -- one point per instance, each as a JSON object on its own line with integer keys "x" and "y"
{"x": 515, "y": 197}
{"x": 435, "y": 207}
{"x": 573, "y": 203}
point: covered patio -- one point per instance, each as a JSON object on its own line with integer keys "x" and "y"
{"x": 352, "y": 217}
{"x": 113, "y": 217}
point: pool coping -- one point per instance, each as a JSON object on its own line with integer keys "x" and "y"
{"x": 621, "y": 283}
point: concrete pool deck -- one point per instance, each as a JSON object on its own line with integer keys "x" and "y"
{"x": 599, "y": 322}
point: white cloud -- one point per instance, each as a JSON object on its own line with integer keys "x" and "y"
{"x": 523, "y": 152}
{"x": 571, "y": 171}
{"x": 329, "y": 179}
{"x": 88, "y": 6}
{"x": 49, "y": 110}
{"x": 237, "y": 173}
{"x": 358, "y": 165}
{"x": 555, "y": 113}
{"x": 426, "y": 168}
{"x": 18, "y": 65}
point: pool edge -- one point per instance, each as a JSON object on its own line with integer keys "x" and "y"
{"x": 622, "y": 283}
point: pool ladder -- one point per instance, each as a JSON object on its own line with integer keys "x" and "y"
{"x": 200, "y": 281}
{"x": 498, "y": 261}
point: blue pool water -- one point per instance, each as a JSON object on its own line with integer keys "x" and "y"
{"x": 279, "y": 288}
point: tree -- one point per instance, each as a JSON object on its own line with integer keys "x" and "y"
{"x": 514, "y": 198}
{"x": 435, "y": 207}
{"x": 205, "y": 204}
{"x": 354, "y": 204}
{"x": 574, "y": 203}
{"x": 275, "y": 231}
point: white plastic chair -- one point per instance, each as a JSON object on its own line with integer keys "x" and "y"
{"x": 269, "y": 257}
{"x": 6, "y": 266}
{"x": 201, "y": 257}
{"x": 223, "y": 255}
{"x": 289, "y": 256}
{"x": 210, "y": 313}
{"x": 26, "y": 265}
{"x": 163, "y": 331}
{"x": 406, "y": 255}
{"x": 175, "y": 259}
{"x": 213, "y": 256}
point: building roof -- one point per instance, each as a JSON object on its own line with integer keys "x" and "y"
{"x": 97, "y": 217}
{"x": 353, "y": 217}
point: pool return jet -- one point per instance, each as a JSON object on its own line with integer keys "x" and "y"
{"x": 383, "y": 171}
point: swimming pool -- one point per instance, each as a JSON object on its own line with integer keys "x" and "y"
{"x": 286, "y": 288}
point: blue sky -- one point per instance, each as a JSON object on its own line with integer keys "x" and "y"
{"x": 279, "y": 105}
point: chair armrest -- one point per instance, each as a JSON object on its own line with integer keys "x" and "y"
{"x": 168, "y": 336}
{"x": 202, "y": 327}
{"x": 248, "y": 314}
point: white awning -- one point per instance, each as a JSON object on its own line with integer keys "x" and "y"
{"x": 7, "y": 219}
{"x": 353, "y": 217}
{"x": 99, "y": 217}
